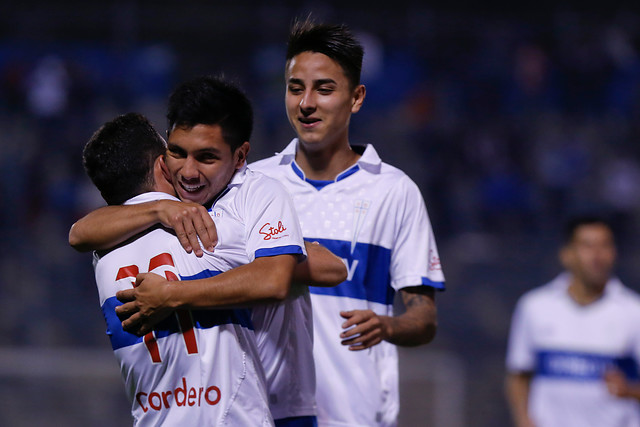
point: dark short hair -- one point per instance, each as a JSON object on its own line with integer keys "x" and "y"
{"x": 335, "y": 41}
{"x": 209, "y": 100}
{"x": 572, "y": 225}
{"x": 119, "y": 157}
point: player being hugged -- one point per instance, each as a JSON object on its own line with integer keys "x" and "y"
{"x": 195, "y": 367}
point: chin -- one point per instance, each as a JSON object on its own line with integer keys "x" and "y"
{"x": 191, "y": 198}
{"x": 311, "y": 142}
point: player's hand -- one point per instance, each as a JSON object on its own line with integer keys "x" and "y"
{"x": 190, "y": 222}
{"x": 145, "y": 305}
{"x": 616, "y": 383}
{"x": 363, "y": 329}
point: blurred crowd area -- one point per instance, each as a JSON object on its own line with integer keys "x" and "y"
{"x": 508, "y": 122}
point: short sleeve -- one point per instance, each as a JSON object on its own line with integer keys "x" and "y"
{"x": 414, "y": 256}
{"x": 271, "y": 223}
{"x": 636, "y": 336}
{"x": 520, "y": 353}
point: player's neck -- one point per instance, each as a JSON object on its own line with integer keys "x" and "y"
{"x": 583, "y": 294}
{"x": 163, "y": 186}
{"x": 325, "y": 163}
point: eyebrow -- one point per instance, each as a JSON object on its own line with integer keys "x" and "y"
{"x": 324, "y": 82}
{"x": 211, "y": 150}
{"x": 318, "y": 82}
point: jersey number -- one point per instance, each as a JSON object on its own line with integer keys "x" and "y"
{"x": 184, "y": 319}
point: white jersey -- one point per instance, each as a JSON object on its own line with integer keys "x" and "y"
{"x": 373, "y": 217}
{"x": 260, "y": 208}
{"x": 197, "y": 367}
{"x": 569, "y": 347}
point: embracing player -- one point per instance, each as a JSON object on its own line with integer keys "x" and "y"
{"x": 253, "y": 220}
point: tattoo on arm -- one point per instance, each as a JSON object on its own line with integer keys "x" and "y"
{"x": 418, "y": 324}
{"x": 417, "y": 296}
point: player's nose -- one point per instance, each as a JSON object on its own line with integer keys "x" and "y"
{"x": 189, "y": 170}
{"x": 307, "y": 101}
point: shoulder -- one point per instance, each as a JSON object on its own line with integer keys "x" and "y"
{"x": 543, "y": 295}
{"x": 625, "y": 295}
{"x": 257, "y": 181}
{"x": 257, "y": 177}
{"x": 398, "y": 187}
{"x": 266, "y": 165}
{"x": 392, "y": 177}
{"x": 403, "y": 183}
{"x": 136, "y": 251}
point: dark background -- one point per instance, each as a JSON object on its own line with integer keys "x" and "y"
{"x": 510, "y": 118}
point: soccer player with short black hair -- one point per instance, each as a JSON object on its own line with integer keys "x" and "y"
{"x": 197, "y": 367}
{"x": 574, "y": 345}
{"x": 367, "y": 212}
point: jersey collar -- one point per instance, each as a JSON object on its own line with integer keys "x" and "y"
{"x": 239, "y": 176}
{"x": 369, "y": 161}
{"x": 236, "y": 181}
{"x": 150, "y": 197}
{"x": 613, "y": 287}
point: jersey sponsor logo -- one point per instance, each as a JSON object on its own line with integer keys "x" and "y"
{"x": 351, "y": 269}
{"x": 582, "y": 366}
{"x": 367, "y": 272}
{"x": 215, "y": 214}
{"x": 181, "y": 396}
{"x": 360, "y": 209}
{"x": 270, "y": 232}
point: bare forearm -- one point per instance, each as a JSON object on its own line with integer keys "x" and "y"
{"x": 261, "y": 281}
{"x": 320, "y": 268}
{"x": 110, "y": 225}
{"x": 517, "y": 393}
{"x": 418, "y": 324}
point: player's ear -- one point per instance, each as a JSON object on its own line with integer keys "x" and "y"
{"x": 359, "y": 94}
{"x": 241, "y": 153}
{"x": 163, "y": 167}
{"x": 565, "y": 255}
{"x": 161, "y": 182}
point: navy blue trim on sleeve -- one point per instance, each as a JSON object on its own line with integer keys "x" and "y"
{"x": 279, "y": 250}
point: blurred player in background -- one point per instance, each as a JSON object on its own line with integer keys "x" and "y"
{"x": 365, "y": 211}
{"x": 243, "y": 205}
{"x": 195, "y": 368}
{"x": 574, "y": 346}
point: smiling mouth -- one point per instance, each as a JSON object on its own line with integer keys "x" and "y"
{"x": 308, "y": 120}
{"x": 191, "y": 188}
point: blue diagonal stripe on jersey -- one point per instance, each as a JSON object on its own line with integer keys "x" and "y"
{"x": 203, "y": 319}
{"x": 582, "y": 366}
{"x": 370, "y": 281}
